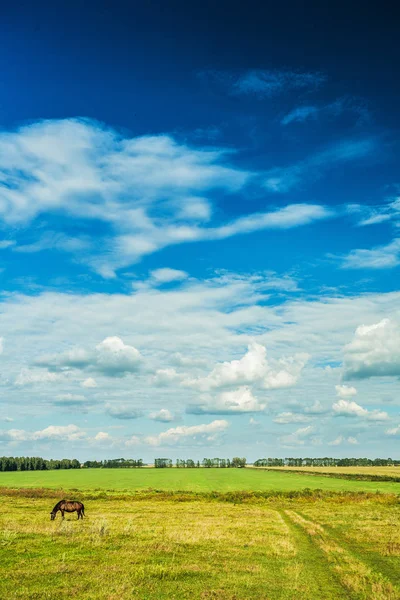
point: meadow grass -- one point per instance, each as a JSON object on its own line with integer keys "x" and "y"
{"x": 163, "y": 549}
{"x": 197, "y": 480}
{"x": 199, "y": 534}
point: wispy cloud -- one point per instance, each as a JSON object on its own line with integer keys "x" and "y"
{"x": 149, "y": 192}
{"x": 283, "y": 179}
{"x": 376, "y": 214}
{"x": 300, "y": 114}
{"x": 265, "y": 83}
{"x": 380, "y": 257}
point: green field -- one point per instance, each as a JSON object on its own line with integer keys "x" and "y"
{"x": 143, "y": 544}
{"x": 198, "y": 480}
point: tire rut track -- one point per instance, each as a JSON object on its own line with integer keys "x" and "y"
{"x": 354, "y": 574}
{"x": 326, "y": 583}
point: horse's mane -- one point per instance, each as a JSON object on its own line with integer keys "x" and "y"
{"x": 57, "y": 506}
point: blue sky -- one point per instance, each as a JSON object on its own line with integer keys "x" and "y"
{"x": 200, "y": 230}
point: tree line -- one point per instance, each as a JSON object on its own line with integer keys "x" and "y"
{"x": 114, "y": 463}
{"x": 219, "y": 463}
{"x": 36, "y": 463}
{"x": 326, "y": 462}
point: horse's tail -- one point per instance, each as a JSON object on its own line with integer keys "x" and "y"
{"x": 83, "y": 511}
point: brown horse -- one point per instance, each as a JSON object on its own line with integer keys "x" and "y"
{"x": 68, "y": 506}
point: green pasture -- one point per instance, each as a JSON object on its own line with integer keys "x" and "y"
{"x": 196, "y": 480}
{"x": 275, "y": 549}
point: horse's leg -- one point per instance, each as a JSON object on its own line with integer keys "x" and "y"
{"x": 62, "y": 514}
{"x": 79, "y": 514}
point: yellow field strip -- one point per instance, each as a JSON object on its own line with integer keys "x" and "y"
{"x": 353, "y": 573}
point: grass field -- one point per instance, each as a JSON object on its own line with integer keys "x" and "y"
{"x": 198, "y": 480}
{"x": 198, "y": 546}
{"x": 202, "y": 550}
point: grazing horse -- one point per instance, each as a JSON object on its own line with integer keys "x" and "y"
{"x": 68, "y": 506}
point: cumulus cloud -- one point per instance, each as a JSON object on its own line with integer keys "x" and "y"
{"x": 374, "y": 351}
{"x": 167, "y": 275}
{"x": 202, "y": 434}
{"x": 289, "y": 417}
{"x": 347, "y": 408}
{"x": 345, "y": 391}
{"x": 123, "y": 411}
{"x": 238, "y": 401}
{"x": 393, "y": 431}
{"x": 72, "y": 400}
{"x": 166, "y": 377}
{"x": 342, "y": 440}
{"x": 102, "y": 436}
{"x": 89, "y": 383}
{"x": 52, "y": 432}
{"x": 112, "y": 358}
{"x": 253, "y": 368}
{"x": 163, "y": 415}
{"x": 299, "y": 437}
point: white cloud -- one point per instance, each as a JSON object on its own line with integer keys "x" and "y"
{"x": 6, "y": 244}
{"x": 60, "y": 166}
{"x": 54, "y": 241}
{"x": 393, "y": 431}
{"x": 112, "y": 358}
{"x": 374, "y": 215}
{"x": 163, "y": 415}
{"x": 284, "y": 179}
{"x": 69, "y": 399}
{"x": 167, "y": 275}
{"x": 29, "y": 377}
{"x": 299, "y": 437}
{"x": 67, "y": 432}
{"x": 345, "y": 391}
{"x": 89, "y": 383}
{"x": 342, "y": 440}
{"x": 300, "y": 114}
{"x": 381, "y": 257}
{"x": 52, "y": 432}
{"x": 102, "y": 436}
{"x": 238, "y": 401}
{"x": 316, "y": 408}
{"x": 166, "y": 377}
{"x": 264, "y": 83}
{"x": 123, "y": 411}
{"x": 253, "y": 368}
{"x": 304, "y": 113}
{"x": 347, "y": 408}
{"x": 207, "y": 322}
{"x": 374, "y": 351}
{"x": 289, "y": 417}
{"x": 189, "y": 434}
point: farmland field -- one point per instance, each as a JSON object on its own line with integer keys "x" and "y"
{"x": 198, "y": 480}
{"x": 149, "y": 545}
{"x": 393, "y": 472}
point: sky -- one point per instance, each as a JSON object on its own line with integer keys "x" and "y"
{"x": 200, "y": 230}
